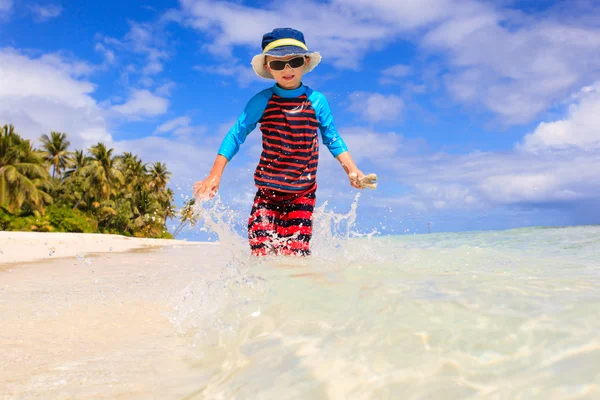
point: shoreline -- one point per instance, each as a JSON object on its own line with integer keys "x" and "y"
{"x": 23, "y": 247}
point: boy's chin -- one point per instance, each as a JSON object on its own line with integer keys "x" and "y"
{"x": 289, "y": 84}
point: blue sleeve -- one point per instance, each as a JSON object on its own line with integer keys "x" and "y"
{"x": 245, "y": 124}
{"x": 329, "y": 134}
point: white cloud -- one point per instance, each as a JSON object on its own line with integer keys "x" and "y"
{"x": 5, "y": 5}
{"x": 324, "y": 25}
{"x": 45, "y": 12}
{"x": 580, "y": 129}
{"x": 535, "y": 60}
{"x": 244, "y": 75}
{"x": 47, "y": 93}
{"x": 530, "y": 66}
{"x": 430, "y": 198}
{"x": 396, "y": 74}
{"x": 535, "y": 188}
{"x": 73, "y": 68}
{"x": 187, "y": 161}
{"x": 144, "y": 39}
{"x": 534, "y": 174}
{"x": 166, "y": 89}
{"x": 497, "y": 58}
{"x": 153, "y": 67}
{"x": 180, "y": 127}
{"x": 146, "y": 81}
{"x": 495, "y": 179}
{"x": 173, "y": 124}
{"x": 405, "y": 15}
{"x": 376, "y": 107}
{"x": 397, "y": 71}
{"x": 372, "y": 151}
{"x": 367, "y": 144}
{"x": 148, "y": 45}
{"x": 109, "y": 55}
{"x": 190, "y": 131}
{"x": 142, "y": 103}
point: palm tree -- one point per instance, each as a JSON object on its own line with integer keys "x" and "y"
{"x": 187, "y": 214}
{"x": 159, "y": 176}
{"x": 102, "y": 175}
{"x": 133, "y": 196}
{"x": 134, "y": 171}
{"x": 74, "y": 179}
{"x": 144, "y": 196}
{"x": 23, "y": 178}
{"x": 77, "y": 163}
{"x": 56, "y": 152}
{"x": 167, "y": 204}
{"x": 121, "y": 193}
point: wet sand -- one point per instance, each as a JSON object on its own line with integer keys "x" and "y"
{"x": 97, "y": 327}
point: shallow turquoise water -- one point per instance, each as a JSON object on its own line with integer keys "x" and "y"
{"x": 495, "y": 315}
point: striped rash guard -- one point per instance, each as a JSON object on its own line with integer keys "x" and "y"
{"x": 290, "y": 121}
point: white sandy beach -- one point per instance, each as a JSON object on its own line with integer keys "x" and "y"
{"x": 95, "y": 326}
{"x": 19, "y": 247}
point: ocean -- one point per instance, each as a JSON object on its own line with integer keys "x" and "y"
{"x": 480, "y": 315}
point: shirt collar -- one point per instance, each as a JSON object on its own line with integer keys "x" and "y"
{"x": 289, "y": 93}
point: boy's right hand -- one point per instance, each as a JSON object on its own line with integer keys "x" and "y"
{"x": 207, "y": 187}
{"x": 361, "y": 181}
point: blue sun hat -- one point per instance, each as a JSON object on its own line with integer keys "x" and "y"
{"x": 283, "y": 42}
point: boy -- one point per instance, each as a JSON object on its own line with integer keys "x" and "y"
{"x": 291, "y": 116}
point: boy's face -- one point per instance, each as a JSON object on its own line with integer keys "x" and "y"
{"x": 288, "y": 78}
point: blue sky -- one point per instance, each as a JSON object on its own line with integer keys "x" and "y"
{"x": 474, "y": 114}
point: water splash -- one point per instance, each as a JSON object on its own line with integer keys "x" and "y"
{"x": 215, "y": 305}
{"x": 331, "y": 238}
{"x": 227, "y": 224}
{"x": 333, "y": 233}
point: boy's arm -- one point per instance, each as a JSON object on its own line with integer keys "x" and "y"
{"x": 210, "y": 184}
{"x": 333, "y": 140}
{"x": 244, "y": 124}
{"x": 231, "y": 144}
{"x": 354, "y": 174}
{"x": 347, "y": 163}
{"x": 329, "y": 134}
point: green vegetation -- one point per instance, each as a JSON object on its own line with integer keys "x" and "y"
{"x": 54, "y": 189}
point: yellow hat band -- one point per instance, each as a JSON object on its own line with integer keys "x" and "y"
{"x": 285, "y": 42}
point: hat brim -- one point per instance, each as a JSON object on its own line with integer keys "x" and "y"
{"x": 258, "y": 61}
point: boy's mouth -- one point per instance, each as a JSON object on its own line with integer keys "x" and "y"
{"x": 288, "y": 77}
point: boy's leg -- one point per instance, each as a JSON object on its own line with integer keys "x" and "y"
{"x": 295, "y": 225}
{"x": 262, "y": 224}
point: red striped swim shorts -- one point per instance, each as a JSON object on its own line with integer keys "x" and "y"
{"x": 280, "y": 223}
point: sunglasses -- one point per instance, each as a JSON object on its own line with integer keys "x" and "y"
{"x": 279, "y": 65}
